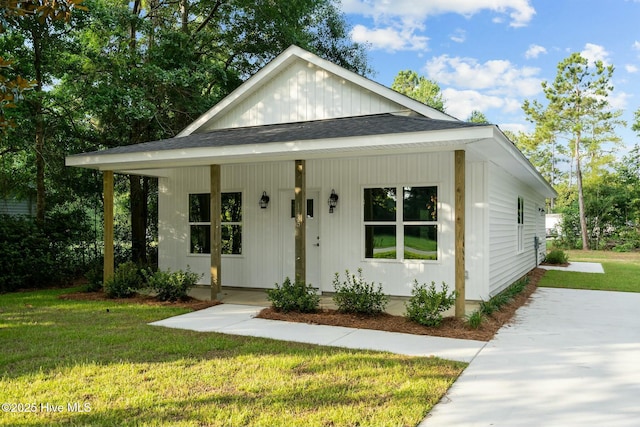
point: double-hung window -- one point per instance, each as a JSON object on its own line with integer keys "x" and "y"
{"x": 520, "y": 224}
{"x": 401, "y": 223}
{"x": 200, "y": 223}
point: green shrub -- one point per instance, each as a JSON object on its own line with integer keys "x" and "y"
{"x": 475, "y": 319}
{"x": 94, "y": 278}
{"x": 171, "y": 286}
{"x": 27, "y": 259}
{"x": 503, "y": 298}
{"x": 126, "y": 281}
{"x": 488, "y": 307}
{"x": 297, "y": 296}
{"x": 427, "y": 304}
{"x": 556, "y": 256}
{"x": 354, "y": 295}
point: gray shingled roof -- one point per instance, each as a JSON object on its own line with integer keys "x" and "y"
{"x": 377, "y": 124}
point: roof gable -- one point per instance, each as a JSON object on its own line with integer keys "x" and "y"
{"x": 299, "y": 86}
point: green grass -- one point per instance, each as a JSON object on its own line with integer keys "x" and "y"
{"x": 129, "y": 373}
{"x": 411, "y": 242}
{"x": 622, "y": 272}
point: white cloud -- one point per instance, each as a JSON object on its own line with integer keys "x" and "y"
{"x": 459, "y": 36}
{"x": 631, "y": 68}
{"x": 461, "y": 103}
{"x": 520, "y": 12}
{"x": 534, "y": 51}
{"x": 594, "y": 52}
{"x": 619, "y": 100}
{"x": 397, "y": 24}
{"x": 496, "y": 77}
{"x": 515, "y": 127}
{"x": 389, "y": 39}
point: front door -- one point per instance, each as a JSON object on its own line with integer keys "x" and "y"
{"x": 287, "y": 236}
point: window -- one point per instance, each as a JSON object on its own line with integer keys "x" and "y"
{"x": 520, "y": 224}
{"x": 200, "y": 223}
{"x": 405, "y": 229}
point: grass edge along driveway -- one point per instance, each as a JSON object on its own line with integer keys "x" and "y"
{"x": 73, "y": 362}
{"x": 622, "y": 272}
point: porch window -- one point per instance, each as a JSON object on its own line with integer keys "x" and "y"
{"x": 200, "y": 223}
{"x": 401, "y": 229}
{"x": 520, "y": 224}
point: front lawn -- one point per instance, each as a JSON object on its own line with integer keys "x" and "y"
{"x": 622, "y": 272}
{"x": 98, "y": 363}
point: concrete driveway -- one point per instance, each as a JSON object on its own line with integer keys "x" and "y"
{"x": 571, "y": 358}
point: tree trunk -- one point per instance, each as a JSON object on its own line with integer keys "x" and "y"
{"x": 184, "y": 16}
{"x": 139, "y": 189}
{"x": 39, "y": 125}
{"x": 583, "y": 218}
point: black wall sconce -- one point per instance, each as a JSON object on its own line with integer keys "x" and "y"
{"x": 333, "y": 200}
{"x": 264, "y": 200}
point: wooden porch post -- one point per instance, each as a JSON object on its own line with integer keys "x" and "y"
{"x": 300, "y": 206}
{"x": 216, "y": 233}
{"x": 107, "y": 185}
{"x": 459, "y": 165}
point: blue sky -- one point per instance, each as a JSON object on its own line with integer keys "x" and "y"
{"x": 491, "y": 55}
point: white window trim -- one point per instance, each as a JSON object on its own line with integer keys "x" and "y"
{"x": 240, "y": 223}
{"x": 520, "y": 226}
{"x": 400, "y": 224}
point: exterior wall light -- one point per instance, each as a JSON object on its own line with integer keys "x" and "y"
{"x": 264, "y": 200}
{"x": 333, "y": 200}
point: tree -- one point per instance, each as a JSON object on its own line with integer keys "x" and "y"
{"x": 636, "y": 124}
{"x": 145, "y": 70}
{"x": 579, "y": 111}
{"x": 37, "y": 23}
{"x": 420, "y": 88}
{"x": 478, "y": 116}
{"x": 11, "y": 13}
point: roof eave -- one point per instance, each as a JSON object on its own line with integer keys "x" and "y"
{"x": 308, "y": 149}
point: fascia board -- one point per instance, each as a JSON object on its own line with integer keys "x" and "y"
{"x": 322, "y": 148}
{"x": 245, "y": 89}
{"x": 375, "y": 87}
{"x": 500, "y": 150}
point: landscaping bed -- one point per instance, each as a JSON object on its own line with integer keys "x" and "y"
{"x": 450, "y": 327}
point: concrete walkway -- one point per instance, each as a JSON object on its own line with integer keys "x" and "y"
{"x": 237, "y": 319}
{"x": 577, "y": 267}
{"x": 572, "y": 358}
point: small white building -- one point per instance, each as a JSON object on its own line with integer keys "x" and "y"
{"x": 418, "y": 194}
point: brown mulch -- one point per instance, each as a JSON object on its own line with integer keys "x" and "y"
{"x": 450, "y": 327}
{"x": 192, "y": 303}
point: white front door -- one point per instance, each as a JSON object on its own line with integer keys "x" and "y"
{"x": 287, "y": 236}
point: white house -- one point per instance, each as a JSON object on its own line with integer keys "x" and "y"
{"x": 418, "y": 194}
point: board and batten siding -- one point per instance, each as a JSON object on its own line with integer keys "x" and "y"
{"x": 303, "y": 92}
{"x": 341, "y": 233}
{"x": 506, "y": 263}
